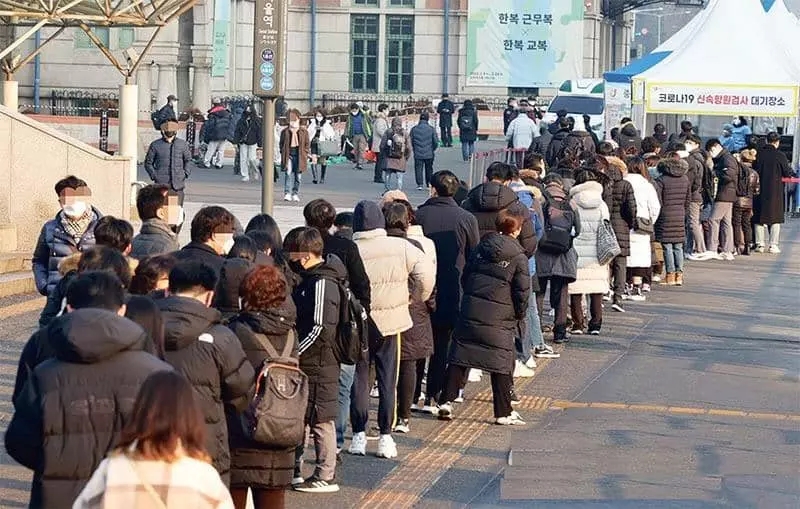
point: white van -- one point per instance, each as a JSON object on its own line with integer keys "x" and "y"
{"x": 580, "y": 97}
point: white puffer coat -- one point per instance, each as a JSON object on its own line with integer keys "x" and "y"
{"x": 592, "y": 277}
{"x": 647, "y": 207}
{"x": 393, "y": 265}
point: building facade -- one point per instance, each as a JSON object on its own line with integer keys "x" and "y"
{"x": 363, "y": 48}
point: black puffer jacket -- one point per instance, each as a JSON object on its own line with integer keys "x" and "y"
{"x": 210, "y": 356}
{"x": 219, "y": 126}
{"x": 726, "y": 168}
{"x": 579, "y": 142}
{"x": 226, "y": 298}
{"x": 629, "y": 137}
{"x": 496, "y": 291}
{"x": 317, "y": 301}
{"x": 554, "y": 148}
{"x": 199, "y": 252}
{"x": 623, "y": 209}
{"x": 675, "y": 194}
{"x": 487, "y": 200}
{"x": 347, "y": 251}
{"x": 73, "y": 408}
{"x": 697, "y": 167}
{"x": 254, "y": 464}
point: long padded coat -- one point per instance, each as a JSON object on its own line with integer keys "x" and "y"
{"x": 592, "y": 277}
{"x": 675, "y": 193}
{"x": 623, "y": 210}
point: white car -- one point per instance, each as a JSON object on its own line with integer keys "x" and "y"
{"x": 580, "y": 97}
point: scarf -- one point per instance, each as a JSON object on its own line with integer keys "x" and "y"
{"x": 76, "y": 227}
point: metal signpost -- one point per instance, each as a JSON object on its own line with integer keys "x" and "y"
{"x": 269, "y": 44}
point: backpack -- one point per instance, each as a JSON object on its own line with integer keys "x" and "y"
{"x": 558, "y": 220}
{"x": 742, "y": 180}
{"x": 156, "y": 118}
{"x": 709, "y": 184}
{"x": 397, "y": 145}
{"x": 276, "y": 413}
{"x": 352, "y": 332}
{"x": 466, "y": 122}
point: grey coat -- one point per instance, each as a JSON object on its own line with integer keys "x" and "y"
{"x": 560, "y": 265}
{"x": 423, "y": 141}
{"x": 169, "y": 163}
{"x": 155, "y": 238}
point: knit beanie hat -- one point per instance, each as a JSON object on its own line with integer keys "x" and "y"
{"x": 368, "y": 216}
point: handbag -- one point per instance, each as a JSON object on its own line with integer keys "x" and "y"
{"x": 607, "y": 245}
{"x": 644, "y": 225}
{"x": 328, "y": 148}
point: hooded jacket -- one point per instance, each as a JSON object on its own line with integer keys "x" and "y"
{"x": 254, "y": 464}
{"x": 155, "y": 238}
{"x": 396, "y": 270}
{"x": 248, "y": 130}
{"x": 346, "y": 250}
{"x": 629, "y": 137}
{"x": 496, "y": 293}
{"x": 564, "y": 265}
{"x": 554, "y": 151}
{"x": 69, "y": 414}
{"x": 578, "y": 142}
{"x": 487, "y": 200}
{"x": 396, "y": 163}
{"x": 623, "y": 205}
{"x": 726, "y": 168}
{"x": 591, "y": 276}
{"x": 210, "y": 356}
{"x": 675, "y": 194}
{"x": 200, "y": 252}
{"x": 648, "y": 207}
{"x": 219, "y": 126}
{"x": 454, "y": 232}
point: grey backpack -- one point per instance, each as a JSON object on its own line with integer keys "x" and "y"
{"x": 276, "y": 414}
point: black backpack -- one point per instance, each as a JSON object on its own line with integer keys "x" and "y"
{"x": 276, "y": 413}
{"x": 397, "y": 145}
{"x": 466, "y": 122}
{"x": 742, "y": 180}
{"x": 558, "y": 221}
{"x": 156, "y": 118}
{"x": 352, "y": 333}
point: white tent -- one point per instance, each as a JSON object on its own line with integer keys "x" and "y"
{"x": 788, "y": 29}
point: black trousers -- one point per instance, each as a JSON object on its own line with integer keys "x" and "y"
{"x": 742, "y": 227}
{"x": 425, "y": 165}
{"x": 619, "y": 266}
{"x": 406, "y": 386}
{"x": 378, "y": 176}
{"x": 502, "y": 385}
{"x": 559, "y": 301}
{"x": 447, "y": 135}
{"x": 643, "y": 272}
{"x": 385, "y": 353}
{"x": 595, "y": 311}
{"x": 442, "y": 335}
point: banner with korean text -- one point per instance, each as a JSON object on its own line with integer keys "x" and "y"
{"x": 524, "y": 43}
{"x": 700, "y": 99}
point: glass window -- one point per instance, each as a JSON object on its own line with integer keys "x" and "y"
{"x": 125, "y": 37}
{"x": 577, "y": 104}
{"x": 400, "y": 54}
{"x": 364, "y": 53}
{"x": 401, "y": 3}
{"x": 82, "y": 40}
{"x": 365, "y": 2}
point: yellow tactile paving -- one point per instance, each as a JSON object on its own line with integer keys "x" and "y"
{"x": 723, "y": 412}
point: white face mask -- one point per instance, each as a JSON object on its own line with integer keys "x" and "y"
{"x": 294, "y": 124}
{"x": 683, "y": 154}
{"x": 75, "y": 209}
{"x": 227, "y": 245}
{"x": 354, "y": 113}
{"x": 716, "y": 151}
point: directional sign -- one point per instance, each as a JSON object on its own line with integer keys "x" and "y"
{"x": 269, "y": 45}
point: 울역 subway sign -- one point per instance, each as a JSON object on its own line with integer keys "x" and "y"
{"x": 269, "y": 43}
{"x": 770, "y": 101}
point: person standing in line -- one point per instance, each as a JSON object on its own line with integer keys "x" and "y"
{"x": 358, "y": 131}
{"x": 675, "y": 194}
{"x": 640, "y": 263}
{"x": 161, "y": 459}
{"x": 396, "y": 270}
{"x": 496, "y": 293}
{"x": 98, "y": 355}
{"x": 379, "y": 127}
{"x": 591, "y": 277}
{"x": 509, "y": 114}
{"x": 445, "y": 110}
{"x": 467, "y": 128}
{"x": 623, "y": 220}
{"x": 520, "y": 135}
{"x": 743, "y": 207}
{"x": 541, "y": 142}
{"x": 216, "y": 131}
{"x": 726, "y": 168}
{"x": 211, "y": 233}
{"x": 396, "y": 150}
{"x": 169, "y": 160}
{"x": 317, "y": 299}
{"x": 323, "y": 131}
{"x": 424, "y": 144}
{"x": 454, "y": 232}
{"x": 771, "y": 166}
{"x": 295, "y": 147}
{"x": 248, "y": 136}
{"x": 158, "y": 209}
{"x": 555, "y": 152}
{"x": 701, "y": 194}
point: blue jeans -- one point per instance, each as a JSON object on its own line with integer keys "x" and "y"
{"x": 673, "y": 257}
{"x": 346, "y": 376}
{"x": 387, "y": 174}
{"x": 294, "y": 175}
{"x": 467, "y": 149}
{"x": 530, "y": 332}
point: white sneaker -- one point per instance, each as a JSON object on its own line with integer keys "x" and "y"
{"x": 295, "y": 197}
{"x": 512, "y": 420}
{"x": 474, "y": 375}
{"x": 287, "y": 197}
{"x": 245, "y": 179}
{"x": 531, "y": 362}
{"x": 637, "y": 298}
{"x": 297, "y": 481}
{"x": 431, "y": 409}
{"x": 728, "y": 257}
{"x": 402, "y": 426}
{"x": 522, "y": 371}
{"x": 656, "y": 279}
{"x": 460, "y": 397}
{"x": 386, "y": 447}
{"x": 358, "y": 445}
{"x": 545, "y": 351}
{"x": 374, "y": 393}
{"x": 759, "y": 249}
{"x": 446, "y": 412}
{"x": 774, "y": 250}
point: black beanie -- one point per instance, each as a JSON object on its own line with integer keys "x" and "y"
{"x": 368, "y": 216}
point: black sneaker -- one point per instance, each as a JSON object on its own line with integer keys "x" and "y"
{"x": 514, "y": 398}
{"x": 316, "y": 485}
{"x": 561, "y": 340}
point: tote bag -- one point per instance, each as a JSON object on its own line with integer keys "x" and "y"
{"x": 607, "y": 245}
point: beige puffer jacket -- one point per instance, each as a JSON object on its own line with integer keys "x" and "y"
{"x": 391, "y": 263}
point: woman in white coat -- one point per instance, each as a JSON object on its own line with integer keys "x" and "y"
{"x": 592, "y": 278}
{"x": 640, "y": 263}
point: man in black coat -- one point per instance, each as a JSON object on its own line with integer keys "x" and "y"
{"x": 445, "y": 109}
{"x": 169, "y": 160}
{"x": 212, "y": 237}
{"x": 623, "y": 220}
{"x": 696, "y": 174}
{"x": 455, "y": 233}
{"x": 509, "y": 114}
{"x": 206, "y": 352}
{"x": 554, "y": 148}
{"x": 539, "y": 144}
{"x": 726, "y": 168}
{"x": 68, "y": 415}
{"x": 771, "y": 165}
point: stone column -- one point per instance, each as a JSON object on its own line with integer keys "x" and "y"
{"x": 167, "y": 81}
{"x": 201, "y": 91}
{"x": 183, "y": 86}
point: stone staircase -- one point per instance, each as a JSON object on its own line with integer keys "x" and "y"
{"x": 16, "y": 277}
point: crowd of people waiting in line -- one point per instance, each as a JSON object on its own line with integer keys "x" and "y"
{"x": 150, "y": 379}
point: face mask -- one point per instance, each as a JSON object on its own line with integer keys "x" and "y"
{"x": 170, "y": 134}
{"x": 227, "y": 245}
{"x": 683, "y": 154}
{"x": 296, "y": 266}
{"x": 319, "y": 118}
{"x": 75, "y": 209}
{"x": 715, "y": 152}
{"x": 354, "y": 113}
{"x": 294, "y": 124}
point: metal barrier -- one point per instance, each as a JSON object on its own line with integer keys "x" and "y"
{"x": 480, "y": 161}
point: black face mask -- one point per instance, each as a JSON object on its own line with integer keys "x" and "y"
{"x": 296, "y": 267}
{"x": 170, "y": 134}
